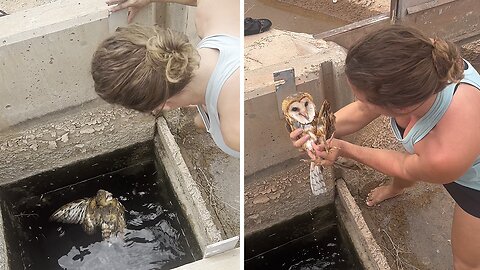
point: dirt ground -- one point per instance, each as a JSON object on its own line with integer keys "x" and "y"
{"x": 11, "y": 6}
{"x": 346, "y": 10}
{"x": 471, "y": 52}
{"x": 216, "y": 173}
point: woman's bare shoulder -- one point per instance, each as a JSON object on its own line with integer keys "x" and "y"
{"x": 224, "y": 18}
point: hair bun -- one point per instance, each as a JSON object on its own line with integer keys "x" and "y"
{"x": 446, "y": 58}
{"x": 172, "y": 51}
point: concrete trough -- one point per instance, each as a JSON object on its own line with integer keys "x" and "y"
{"x": 278, "y": 197}
{"x": 89, "y": 133}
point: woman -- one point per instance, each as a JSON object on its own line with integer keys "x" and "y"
{"x": 432, "y": 97}
{"x": 147, "y": 68}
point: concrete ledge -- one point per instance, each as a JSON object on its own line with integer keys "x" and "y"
{"x": 229, "y": 260}
{"x": 3, "y": 247}
{"x": 280, "y": 193}
{"x": 59, "y": 139}
{"x": 186, "y": 190}
{"x": 369, "y": 252}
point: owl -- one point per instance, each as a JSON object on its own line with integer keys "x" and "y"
{"x": 299, "y": 111}
{"x": 101, "y": 211}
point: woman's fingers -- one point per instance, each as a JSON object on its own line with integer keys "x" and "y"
{"x": 114, "y": 2}
{"x": 120, "y": 6}
{"x": 301, "y": 141}
{"x": 295, "y": 134}
{"x": 311, "y": 155}
{"x": 295, "y": 137}
{"x": 131, "y": 13}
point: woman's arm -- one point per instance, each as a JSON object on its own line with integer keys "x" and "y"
{"x": 443, "y": 156}
{"x": 352, "y": 118}
{"x": 440, "y": 168}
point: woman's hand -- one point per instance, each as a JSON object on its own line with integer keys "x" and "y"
{"x": 328, "y": 158}
{"x": 134, "y": 6}
{"x": 298, "y": 141}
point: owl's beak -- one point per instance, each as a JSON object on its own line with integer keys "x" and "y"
{"x": 304, "y": 114}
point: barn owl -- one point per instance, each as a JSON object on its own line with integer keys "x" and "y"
{"x": 102, "y": 211}
{"x": 299, "y": 112}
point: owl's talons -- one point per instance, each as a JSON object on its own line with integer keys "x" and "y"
{"x": 306, "y": 160}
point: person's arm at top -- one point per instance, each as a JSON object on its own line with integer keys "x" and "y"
{"x": 135, "y": 6}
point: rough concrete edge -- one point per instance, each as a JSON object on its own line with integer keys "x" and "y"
{"x": 367, "y": 248}
{"x": 185, "y": 188}
{"x": 93, "y": 12}
{"x": 3, "y": 247}
{"x": 228, "y": 260}
{"x": 311, "y": 73}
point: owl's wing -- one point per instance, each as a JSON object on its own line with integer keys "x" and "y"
{"x": 73, "y": 212}
{"x": 288, "y": 123}
{"x": 325, "y": 121}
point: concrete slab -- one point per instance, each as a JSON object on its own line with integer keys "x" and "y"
{"x": 45, "y": 55}
{"x": 276, "y": 50}
{"x": 280, "y": 193}
{"x": 59, "y": 139}
{"x": 228, "y": 260}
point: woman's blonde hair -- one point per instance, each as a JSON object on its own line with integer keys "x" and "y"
{"x": 399, "y": 66}
{"x": 140, "y": 67}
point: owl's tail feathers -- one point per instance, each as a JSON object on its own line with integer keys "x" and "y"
{"x": 73, "y": 212}
{"x": 317, "y": 182}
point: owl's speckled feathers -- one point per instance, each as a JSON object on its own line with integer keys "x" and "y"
{"x": 102, "y": 211}
{"x": 300, "y": 112}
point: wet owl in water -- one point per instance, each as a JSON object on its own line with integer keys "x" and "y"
{"x": 102, "y": 211}
{"x": 299, "y": 111}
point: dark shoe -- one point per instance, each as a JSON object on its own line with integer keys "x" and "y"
{"x": 2, "y": 13}
{"x": 256, "y": 26}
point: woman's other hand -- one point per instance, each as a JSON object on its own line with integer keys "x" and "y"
{"x": 328, "y": 158}
{"x": 134, "y": 6}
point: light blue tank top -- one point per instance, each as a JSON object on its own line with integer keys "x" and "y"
{"x": 421, "y": 128}
{"x": 228, "y": 62}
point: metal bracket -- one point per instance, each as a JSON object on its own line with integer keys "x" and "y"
{"x": 220, "y": 247}
{"x": 284, "y": 86}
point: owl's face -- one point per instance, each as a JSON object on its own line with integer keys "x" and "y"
{"x": 103, "y": 197}
{"x": 302, "y": 109}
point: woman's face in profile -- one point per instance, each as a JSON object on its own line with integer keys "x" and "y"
{"x": 361, "y": 97}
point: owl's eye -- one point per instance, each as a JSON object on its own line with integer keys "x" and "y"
{"x": 306, "y": 103}
{"x": 295, "y": 109}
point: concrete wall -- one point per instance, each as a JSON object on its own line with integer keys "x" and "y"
{"x": 45, "y": 53}
{"x": 268, "y": 140}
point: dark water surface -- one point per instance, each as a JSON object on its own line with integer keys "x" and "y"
{"x": 309, "y": 242}
{"x": 156, "y": 237}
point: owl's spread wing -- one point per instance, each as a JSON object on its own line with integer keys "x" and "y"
{"x": 73, "y": 212}
{"x": 325, "y": 121}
